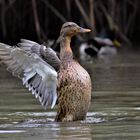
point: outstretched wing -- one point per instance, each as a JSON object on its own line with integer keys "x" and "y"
{"x": 38, "y": 76}
{"x": 46, "y": 53}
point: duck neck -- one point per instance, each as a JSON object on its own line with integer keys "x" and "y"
{"x": 65, "y": 49}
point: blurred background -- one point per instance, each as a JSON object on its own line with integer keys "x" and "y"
{"x": 115, "y": 107}
{"x": 40, "y": 20}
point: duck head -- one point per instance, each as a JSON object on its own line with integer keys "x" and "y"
{"x": 70, "y": 29}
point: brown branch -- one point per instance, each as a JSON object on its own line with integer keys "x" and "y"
{"x": 98, "y": 14}
{"x": 112, "y": 7}
{"x": 55, "y": 11}
{"x": 85, "y": 17}
{"x": 91, "y": 17}
{"x": 132, "y": 17}
{"x": 81, "y": 9}
{"x": 115, "y": 26}
{"x": 91, "y": 13}
{"x": 68, "y": 7}
{"x": 37, "y": 25}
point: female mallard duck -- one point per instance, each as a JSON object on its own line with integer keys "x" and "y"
{"x": 38, "y": 66}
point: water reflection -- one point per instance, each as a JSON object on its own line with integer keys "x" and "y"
{"x": 114, "y": 112}
{"x": 10, "y": 131}
{"x": 36, "y": 127}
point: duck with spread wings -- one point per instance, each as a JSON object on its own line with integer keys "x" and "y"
{"x": 49, "y": 78}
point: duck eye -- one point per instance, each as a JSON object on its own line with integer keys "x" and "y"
{"x": 67, "y": 26}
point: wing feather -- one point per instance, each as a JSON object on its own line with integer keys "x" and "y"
{"x": 38, "y": 76}
{"x": 46, "y": 53}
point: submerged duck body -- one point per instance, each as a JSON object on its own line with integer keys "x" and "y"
{"x": 74, "y": 92}
{"x": 52, "y": 79}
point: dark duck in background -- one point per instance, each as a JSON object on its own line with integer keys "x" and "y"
{"x": 103, "y": 47}
{"x": 49, "y": 78}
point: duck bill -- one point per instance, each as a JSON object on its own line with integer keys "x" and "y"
{"x": 83, "y": 30}
{"x": 117, "y": 43}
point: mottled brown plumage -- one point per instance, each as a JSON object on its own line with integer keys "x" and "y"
{"x": 74, "y": 92}
{"x": 74, "y": 83}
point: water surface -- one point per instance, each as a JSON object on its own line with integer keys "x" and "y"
{"x": 114, "y": 113}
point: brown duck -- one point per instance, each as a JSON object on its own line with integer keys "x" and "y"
{"x": 49, "y": 78}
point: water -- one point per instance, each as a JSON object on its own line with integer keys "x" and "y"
{"x": 114, "y": 113}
